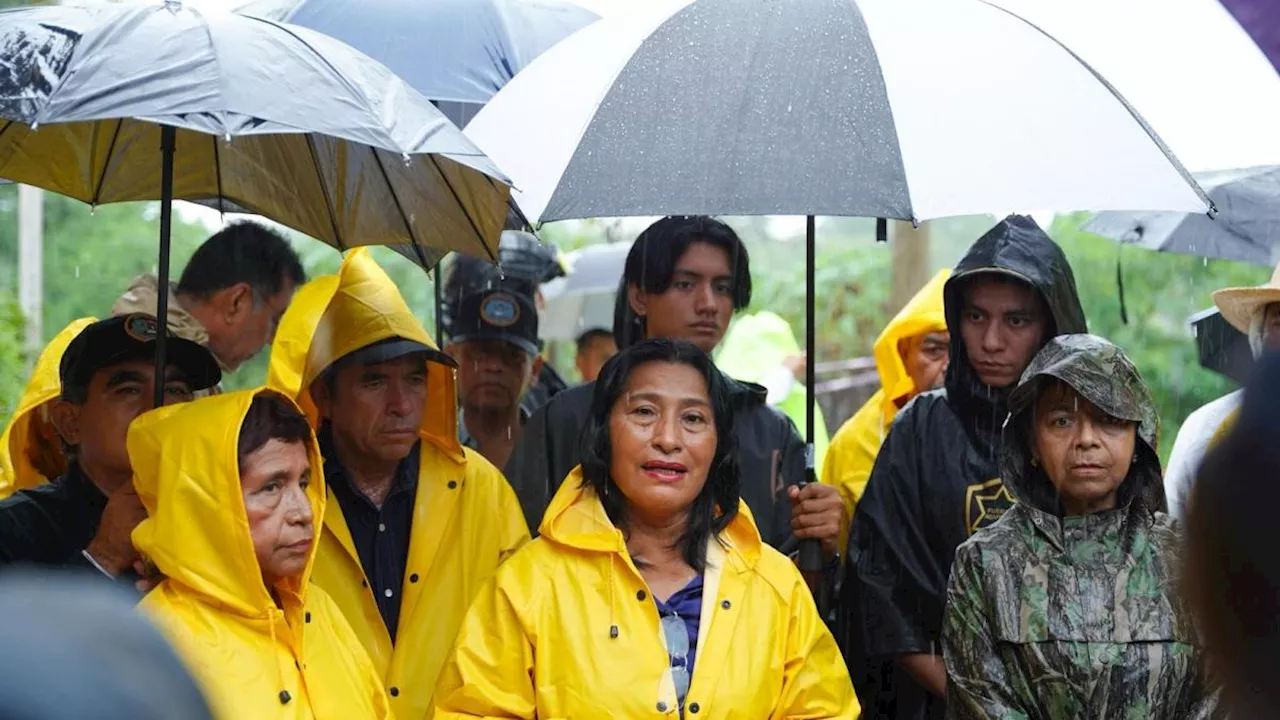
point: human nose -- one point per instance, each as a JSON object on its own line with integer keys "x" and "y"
{"x": 992, "y": 337}
{"x": 298, "y": 511}
{"x": 399, "y": 399}
{"x": 666, "y": 434}
{"x": 1086, "y": 434}
{"x": 704, "y": 298}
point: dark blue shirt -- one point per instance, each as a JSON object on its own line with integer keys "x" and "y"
{"x": 687, "y": 604}
{"x": 381, "y": 534}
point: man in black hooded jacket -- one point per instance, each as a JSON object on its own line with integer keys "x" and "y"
{"x": 684, "y": 278}
{"x": 935, "y": 481}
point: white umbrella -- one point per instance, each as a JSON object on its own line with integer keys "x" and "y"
{"x": 584, "y": 299}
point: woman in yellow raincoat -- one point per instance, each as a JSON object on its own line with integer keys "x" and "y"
{"x": 233, "y": 488}
{"x": 649, "y": 592}
{"x": 30, "y": 449}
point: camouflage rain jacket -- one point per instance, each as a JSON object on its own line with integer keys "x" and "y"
{"x": 1077, "y": 616}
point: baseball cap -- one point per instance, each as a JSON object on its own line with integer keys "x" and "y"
{"x": 132, "y": 337}
{"x": 498, "y": 315}
{"x": 392, "y": 348}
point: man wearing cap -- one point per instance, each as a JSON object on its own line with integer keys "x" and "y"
{"x": 415, "y": 522}
{"x": 85, "y": 516}
{"x": 1254, "y": 311}
{"x": 495, "y": 342}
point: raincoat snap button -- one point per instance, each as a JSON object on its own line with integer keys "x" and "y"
{"x": 364, "y": 583}
{"x": 306, "y": 617}
{"x": 284, "y": 697}
{"x": 640, "y": 595}
{"x": 662, "y": 707}
{"x": 693, "y": 708}
{"x": 395, "y": 692}
{"x": 413, "y": 577}
{"x": 453, "y": 484}
{"x": 726, "y": 604}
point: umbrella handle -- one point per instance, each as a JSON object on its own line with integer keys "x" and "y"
{"x": 168, "y": 143}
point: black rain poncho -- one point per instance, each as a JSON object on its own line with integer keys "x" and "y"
{"x": 935, "y": 482}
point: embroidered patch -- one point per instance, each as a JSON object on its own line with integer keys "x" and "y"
{"x": 141, "y": 327}
{"x": 500, "y": 310}
{"x": 984, "y": 503}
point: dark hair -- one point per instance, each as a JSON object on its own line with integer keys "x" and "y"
{"x": 242, "y": 252}
{"x": 651, "y": 265}
{"x": 722, "y": 489}
{"x": 585, "y": 339}
{"x": 270, "y": 417}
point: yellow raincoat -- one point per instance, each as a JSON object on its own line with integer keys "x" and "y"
{"x": 30, "y": 420}
{"x": 466, "y": 519}
{"x": 853, "y": 450}
{"x": 243, "y": 648}
{"x": 538, "y": 641}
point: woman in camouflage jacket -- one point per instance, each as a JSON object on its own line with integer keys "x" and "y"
{"x": 1067, "y": 607}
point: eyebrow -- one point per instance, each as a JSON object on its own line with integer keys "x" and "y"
{"x": 124, "y": 377}
{"x": 692, "y": 275}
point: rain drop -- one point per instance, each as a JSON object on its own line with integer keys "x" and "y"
{"x": 226, "y": 138}
{"x": 508, "y": 432}
{"x": 35, "y": 126}
{"x": 93, "y": 210}
{"x": 405, "y": 158}
{"x": 788, "y": 107}
{"x": 77, "y": 272}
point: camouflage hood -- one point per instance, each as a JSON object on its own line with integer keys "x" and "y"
{"x": 1102, "y": 374}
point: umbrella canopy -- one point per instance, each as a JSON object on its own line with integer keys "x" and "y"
{"x": 270, "y": 119}
{"x": 583, "y": 300}
{"x": 456, "y": 52}
{"x": 751, "y": 107}
{"x": 1246, "y": 228}
{"x": 1222, "y": 348}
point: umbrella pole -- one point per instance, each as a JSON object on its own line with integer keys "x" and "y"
{"x": 810, "y": 560}
{"x": 439, "y": 296}
{"x": 168, "y": 141}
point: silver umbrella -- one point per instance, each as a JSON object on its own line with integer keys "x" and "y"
{"x": 1246, "y": 229}
{"x": 122, "y": 102}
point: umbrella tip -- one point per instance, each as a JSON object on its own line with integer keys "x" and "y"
{"x": 173, "y": 5}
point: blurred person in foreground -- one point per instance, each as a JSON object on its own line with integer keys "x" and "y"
{"x": 82, "y": 652}
{"x": 649, "y": 589}
{"x": 911, "y": 357}
{"x": 107, "y": 378}
{"x": 232, "y": 294}
{"x": 1232, "y": 572}
{"x": 595, "y": 347}
{"x": 1254, "y": 311}
{"x": 1082, "y": 567}
{"x": 30, "y": 449}
{"x": 524, "y": 264}
{"x": 415, "y": 522}
{"x": 935, "y": 481}
{"x": 233, "y": 491}
{"x": 495, "y": 342}
{"x": 685, "y": 277}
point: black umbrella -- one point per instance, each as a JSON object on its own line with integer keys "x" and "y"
{"x": 1222, "y": 348}
{"x": 121, "y": 102}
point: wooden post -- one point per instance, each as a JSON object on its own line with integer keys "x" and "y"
{"x": 31, "y": 266}
{"x": 910, "y": 247}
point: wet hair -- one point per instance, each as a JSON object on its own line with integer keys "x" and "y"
{"x": 585, "y": 339}
{"x": 270, "y": 417}
{"x": 717, "y": 504}
{"x": 651, "y": 266}
{"x": 242, "y": 252}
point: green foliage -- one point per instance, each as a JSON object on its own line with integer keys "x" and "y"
{"x": 13, "y": 377}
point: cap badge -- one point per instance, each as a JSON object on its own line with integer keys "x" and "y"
{"x": 140, "y": 327}
{"x": 500, "y": 310}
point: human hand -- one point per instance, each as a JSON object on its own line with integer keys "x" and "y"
{"x": 112, "y": 547}
{"x": 817, "y": 513}
{"x": 798, "y": 365}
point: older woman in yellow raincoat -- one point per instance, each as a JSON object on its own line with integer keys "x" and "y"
{"x": 650, "y": 592}
{"x": 911, "y": 358}
{"x": 234, "y": 491}
{"x": 30, "y": 449}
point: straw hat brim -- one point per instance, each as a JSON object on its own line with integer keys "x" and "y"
{"x": 1239, "y": 305}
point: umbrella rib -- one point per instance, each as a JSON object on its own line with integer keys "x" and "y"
{"x": 471, "y": 220}
{"x": 106, "y": 164}
{"x": 413, "y": 240}
{"x": 217, "y": 172}
{"x": 324, "y": 192}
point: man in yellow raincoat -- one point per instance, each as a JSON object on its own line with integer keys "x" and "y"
{"x": 236, "y": 543}
{"x": 30, "y": 451}
{"x": 231, "y": 295}
{"x": 911, "y": 357}
{"x": 416, "y": 523}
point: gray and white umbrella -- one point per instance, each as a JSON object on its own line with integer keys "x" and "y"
{"x": 1246, "y": 228}
{"x": 584, "y": 299}
{"x": 909, "y": 109}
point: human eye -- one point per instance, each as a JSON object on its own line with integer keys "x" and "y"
{"x": 695, "y": 419}
{"x": 270, "y": 487}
